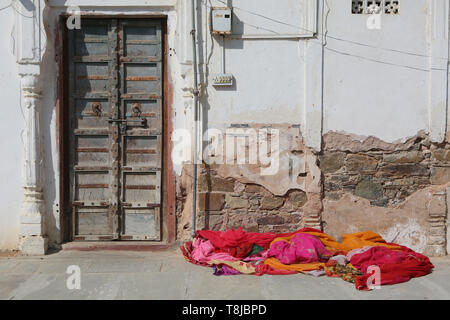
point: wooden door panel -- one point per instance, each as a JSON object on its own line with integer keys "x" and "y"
{"x": 140, "y": 49}
{"x": 92, "y": 114}
{"x": 142, "y": 151}
{"x": 141, "y": 187}
{"x": 92, "y": 151}
{"x": 92, "y": 223}
{"x": 148, "y": 109}
{"x": 92, "y": 51}
{"x": 141, "y": 224}
{"x": 142, "y": 78}
{"x": 115, "y": 106}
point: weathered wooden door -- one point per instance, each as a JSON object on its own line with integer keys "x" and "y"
{"x": 115, "y": 110}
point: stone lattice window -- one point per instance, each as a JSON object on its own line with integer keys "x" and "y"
{"x": 375, "y": 6}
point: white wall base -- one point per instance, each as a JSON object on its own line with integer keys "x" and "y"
{"x": 33, "y": 245}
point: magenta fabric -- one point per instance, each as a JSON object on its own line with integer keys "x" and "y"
{"x": 303, "y": 248}
{"x": 225, "y": 270}
{"x": 203, "y": 251}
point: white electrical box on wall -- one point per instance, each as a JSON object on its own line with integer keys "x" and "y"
{"x": 221, "y": 20}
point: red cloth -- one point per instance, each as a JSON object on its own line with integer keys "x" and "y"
{"x": 395, "y": 266}
{"x": 239, "y": 243}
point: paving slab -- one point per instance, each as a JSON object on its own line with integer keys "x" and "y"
{"x": 110, "y": 275}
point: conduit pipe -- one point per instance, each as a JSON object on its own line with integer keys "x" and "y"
{"x": 196, "y": 113}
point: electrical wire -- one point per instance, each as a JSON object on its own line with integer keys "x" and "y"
{"x": 324, "y": 35}
{"x": 358, "y": 56}
{"x": 18, "y": 11}
{"x": 9, "y": 5}
{"x": 330, "y": 36}
{"x": 380, "y": 61}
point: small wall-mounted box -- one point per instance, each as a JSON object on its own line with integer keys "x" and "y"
{"x": 222, "y": 80}
{"x": 221, "y": 20}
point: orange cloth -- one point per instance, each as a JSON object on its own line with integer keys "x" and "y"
{"x": 299, "y": 267}
{"x": 363, "y": 239}
{"x": 349, "y": 242}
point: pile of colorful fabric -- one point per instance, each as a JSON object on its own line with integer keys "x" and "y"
{"x": 357, "y": 259}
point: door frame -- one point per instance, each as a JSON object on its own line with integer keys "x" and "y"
{"x": 168, "y": 214}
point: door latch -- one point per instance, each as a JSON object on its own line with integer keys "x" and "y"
{"x": 123, "y": 123}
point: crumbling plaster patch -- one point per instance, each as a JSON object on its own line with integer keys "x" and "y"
{"x": 410, "y": 175}
{"x": 184, "y": 214}
{"x": 448, "y": 221}
{"x": 341, "y": 141}
{"x": 407, "y": 224}
{"x": 297, "y": 166}
{"x": 298, "y": 170}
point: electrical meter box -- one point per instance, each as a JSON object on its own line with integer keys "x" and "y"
{"x": 221, "y": 20}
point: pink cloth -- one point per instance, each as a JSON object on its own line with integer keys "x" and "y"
{"x": 204, "y": 252}
{"x": 303, "y": 248}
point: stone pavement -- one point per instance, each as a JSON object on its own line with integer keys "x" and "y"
{"x": 166, "y": 275}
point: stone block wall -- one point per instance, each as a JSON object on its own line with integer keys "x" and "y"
{"x": 399, "y": 190}
{"x": 238, "y": 195}
{"x": 225, "y": 203}
{"x": 385, "y": 177}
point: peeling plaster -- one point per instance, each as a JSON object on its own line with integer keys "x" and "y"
{"x": 410, "y": 232}
{"x": 406, "y": 224}
{"x": 342, "y": 141}
{"x": 296, "y": 163}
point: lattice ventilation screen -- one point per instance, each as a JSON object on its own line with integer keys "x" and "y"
{"x": 375, "y": 6}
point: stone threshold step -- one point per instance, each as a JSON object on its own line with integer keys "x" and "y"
{"x": 116, "y": 246}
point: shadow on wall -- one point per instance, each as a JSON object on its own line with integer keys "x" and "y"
{"x": 28, "y": 5}
{"x": 49, "y": 132}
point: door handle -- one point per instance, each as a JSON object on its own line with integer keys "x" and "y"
{"x": 123, "y": 123}
{"x": 142, "y": 121}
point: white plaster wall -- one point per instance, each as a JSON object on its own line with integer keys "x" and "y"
{"x": 268, "y": 80}
{"x": 268, "y": 73}
{"x": 385, "y": 98}
{"x": 11, "y": 142}
{"x": 371, "y": 91}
